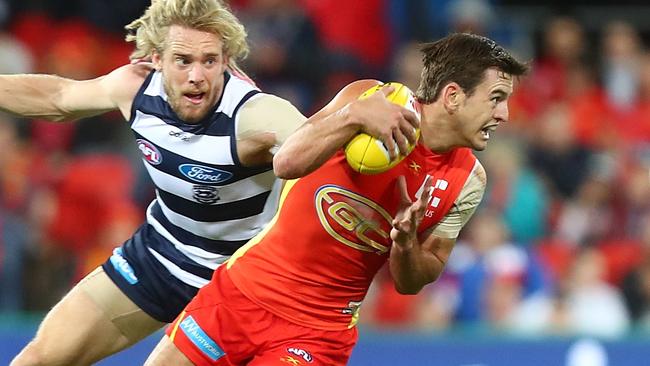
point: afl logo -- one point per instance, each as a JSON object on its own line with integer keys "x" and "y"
{"x": 353, "y": 220}
{"x": 204, "y": 174}
{"x": 151, "y": 154}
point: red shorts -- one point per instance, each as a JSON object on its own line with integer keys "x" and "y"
{"x": 221, "y": 326}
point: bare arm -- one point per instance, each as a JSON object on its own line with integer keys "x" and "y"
{"x": 413, "y": 268}
{"x": 334, "y": 125}
{"x": 415, "y": 262}
{"x": 56, "y": 98}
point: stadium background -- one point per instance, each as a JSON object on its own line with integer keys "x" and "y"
{"x": 555, "y": 267}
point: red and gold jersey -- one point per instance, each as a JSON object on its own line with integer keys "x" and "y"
{"x": 314, "y": 262}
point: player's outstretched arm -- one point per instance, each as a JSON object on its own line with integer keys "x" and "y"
{"x": 415, "y": 262}
{"x": 334, "y": 125}
{"x": 60, "y": 99}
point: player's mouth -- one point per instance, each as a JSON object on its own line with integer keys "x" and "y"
{"x": 194, "y": 98}
{"x": 485, "y": 131}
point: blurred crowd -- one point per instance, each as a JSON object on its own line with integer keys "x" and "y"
{"x": 560, "y": 244}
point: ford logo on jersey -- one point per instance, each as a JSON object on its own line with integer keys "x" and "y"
{"x": 151, "y": 154}
{"x": 204, "y": 174}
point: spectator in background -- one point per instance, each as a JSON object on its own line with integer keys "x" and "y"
{"x": 356, "y": 41}
{"x": 14, "y": 242}
{"x": 620, "y": 59}
{"x": 416, "y": 20}
{"x": 554, "y": 153}
{"x": 583, "y": 303}
{"x": 88, "y": 211}
{"x": 15, "y": 57}
{"x": 360, "y": 33}
{"x": 287, "y": 55}
{"x": 516, "y": 192}
{"x": 591, "y": 306}
{"x": 635, "y": 193}
{"x": 407, "y": 65}
{"x": 587, "y": 216}
{"x": 14, "y": 236}
{"x": 561, "y": 55}
{"x": 493, "y": 273}
{"x": 636, "y": 283}
{"x": 634, "y": 123}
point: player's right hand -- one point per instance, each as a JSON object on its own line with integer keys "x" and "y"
{"x": 393, "y": 124}
{"x": 409, "y": 214}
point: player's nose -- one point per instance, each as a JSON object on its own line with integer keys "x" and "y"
{"x": 501, "y": 112}
{"x": 196, "y": 74}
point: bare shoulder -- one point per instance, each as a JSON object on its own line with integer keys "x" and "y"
{"x": 123, "y": 83}
{"x": 347, "y": 94}
{"x": 137, "y": 71}
{"x": 356, "y": 88}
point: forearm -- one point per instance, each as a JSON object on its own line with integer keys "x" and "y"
{"x": 313, "y": 143}
{"x": 32, "y": 96}
{"x": 413, "y": 268}
{"x": 342, "y": 118}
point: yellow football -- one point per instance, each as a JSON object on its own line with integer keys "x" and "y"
{"x": 368, "y": 155}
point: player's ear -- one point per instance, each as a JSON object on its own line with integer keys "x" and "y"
{"x": 452, "y": 96}
{"x": 156, "y": 59}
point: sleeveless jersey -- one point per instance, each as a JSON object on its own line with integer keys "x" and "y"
{"x": 207, "y": 205}
{"x": 314, "y": 263}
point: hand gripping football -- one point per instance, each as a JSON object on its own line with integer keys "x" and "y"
{"x": 368, "y": 155}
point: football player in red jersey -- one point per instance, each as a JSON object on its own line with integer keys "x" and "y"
{"x": 292, "y": 294}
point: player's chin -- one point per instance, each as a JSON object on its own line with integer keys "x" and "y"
{"x": 192, "y": 116}
{"x": 479, "y": 144}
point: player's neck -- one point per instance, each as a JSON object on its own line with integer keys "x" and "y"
{"x": 444, "y": 135}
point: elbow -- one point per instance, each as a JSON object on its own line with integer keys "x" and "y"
{"x": 285, "y": 167}
{"x": 414, "y": 287}
{"x": 407, "y": 290}
{"x": 408, "y": 287}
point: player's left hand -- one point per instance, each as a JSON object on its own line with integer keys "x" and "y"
{"x": 409, "y": 214}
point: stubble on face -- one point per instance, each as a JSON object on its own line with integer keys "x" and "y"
{"x": 490, "y": 106}
{"x": 193, "y": 67}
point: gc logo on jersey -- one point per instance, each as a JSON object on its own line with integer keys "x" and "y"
{"x": 150, "y": 152}
{"x": 204, "y": 174}
{"x": 353, "y": 219}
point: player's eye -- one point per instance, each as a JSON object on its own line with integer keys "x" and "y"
{"x": 181, "y": 61}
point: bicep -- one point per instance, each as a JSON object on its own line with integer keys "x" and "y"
{"x": 84, "y": 98}
{"x": 115, "y": 90}
{"x": 348, "y": 94}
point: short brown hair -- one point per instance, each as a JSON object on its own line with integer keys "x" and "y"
{"x": 462, "y": 58}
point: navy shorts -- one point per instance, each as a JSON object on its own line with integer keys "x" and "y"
{"x": 145, "y": 280}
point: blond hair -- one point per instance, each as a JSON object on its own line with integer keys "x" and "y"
{"x": 149, "y": 32}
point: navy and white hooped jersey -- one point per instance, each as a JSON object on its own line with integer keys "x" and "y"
{"x": 207, "y": 204}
